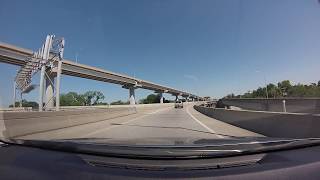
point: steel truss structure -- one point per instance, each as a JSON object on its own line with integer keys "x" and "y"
{"x": 48, "y": 57}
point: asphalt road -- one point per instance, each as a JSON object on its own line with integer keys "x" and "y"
{"x": 165, "y": 125}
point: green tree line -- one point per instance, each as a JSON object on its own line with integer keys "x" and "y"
{"x": 152, "y": 98}
{"x": 95, "y": 97}
{"x": 90, "y": 98}
{"x": 26, "y": 103}
{"x": 282, "y": 89}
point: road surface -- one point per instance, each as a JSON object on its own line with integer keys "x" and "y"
{"x": 164, "y": 125}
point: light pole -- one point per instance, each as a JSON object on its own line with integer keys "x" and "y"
{"x": 76, "y": 57}
{"x": 14, "y": 94}
{"x": 265, "y": 82}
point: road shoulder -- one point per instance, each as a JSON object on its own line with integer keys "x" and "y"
{"x": 221, "y": 127}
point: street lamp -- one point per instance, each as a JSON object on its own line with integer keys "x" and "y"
{"x": 265, "y": 82}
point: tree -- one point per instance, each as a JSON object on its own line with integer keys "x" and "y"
{"x": 297, "y": 91}
{"x": 230, "y": 95}
{"x": 260, "y": 92}
{"x": 87, "y": 99}
{"x": 26, "y": 103}
{"x": 247, "y": 95}
{"x": 283, "y": 89}
{"x": 151, "y": 98}
{"x": 92, "y": 97}
{"x": 284, "y": 86}
{"x": 71, "y": 99}
{"x": 98, "y": 96}
{"x": 119, "y": 103}
{"x": 273, "y": 91}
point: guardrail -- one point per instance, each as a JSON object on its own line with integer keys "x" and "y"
{"x": 17, "y": 109}
{"x": 271, "y": 124}
{"x": 137, "y": 106}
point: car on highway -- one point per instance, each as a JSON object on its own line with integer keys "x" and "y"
{"x": 178, "y": 104}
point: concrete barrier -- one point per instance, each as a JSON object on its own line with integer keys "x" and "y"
{"x": 17, "y": 109}
{"x": 137, "y": 106}
{"x": 299, "y": 105}
{"x": 23, "y": 123}
{"x": 271, "y": 124}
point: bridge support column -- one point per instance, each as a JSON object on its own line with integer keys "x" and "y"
{"x": 161, "y": 98}
{"x": 20, "y": 104}
{"x": 49, "y": 96}
{"x": 44, "y": 54}
{"x": 58, "y": 86}
{"x": 41, "y": 87}
{"x": 132, "y": 98}
{"x": 14, "y": 94}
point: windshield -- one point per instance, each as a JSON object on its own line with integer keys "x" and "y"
{"x": 159, "y": 73}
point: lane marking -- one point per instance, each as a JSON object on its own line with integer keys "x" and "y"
{"x": 126, "y": 122}
{"x": 203, "y": 125}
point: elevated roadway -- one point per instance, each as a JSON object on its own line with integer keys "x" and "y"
{"x": 16, "y": 56}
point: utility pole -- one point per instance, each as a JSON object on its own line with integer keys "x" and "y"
{"x": 76, "y": 57}
{"x": 14, "y": 94}
{"x": 21, "y": 99}
{"x": 265, "y": 82}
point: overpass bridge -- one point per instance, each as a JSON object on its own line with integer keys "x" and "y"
{"x": 18, "y": 56}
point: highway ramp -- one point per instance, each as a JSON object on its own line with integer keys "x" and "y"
{"x": 165, "y": 123}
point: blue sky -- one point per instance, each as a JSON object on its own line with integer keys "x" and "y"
{"x": 207, "y": 47}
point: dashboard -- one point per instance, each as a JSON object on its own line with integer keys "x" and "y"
{"x": 22, "y": 162}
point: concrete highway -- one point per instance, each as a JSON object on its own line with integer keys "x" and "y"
{"x": 165, "y": 125}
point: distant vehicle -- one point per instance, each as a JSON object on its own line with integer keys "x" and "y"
{"x": 178, "y": 104}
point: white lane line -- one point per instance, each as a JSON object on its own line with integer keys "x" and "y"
{"x": 203, "y": 125}
{"x": 126, "y": 122}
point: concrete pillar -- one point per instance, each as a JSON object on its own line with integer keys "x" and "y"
{"x": 20, "y": 100}
{"x": 44, "y": 54}
{"x": 58, "y": 86}
{"x": 14, "y": 94}
{"x": 49, "y": 101}
{"x": 161, "y": 98}
{"x": 41, "y": 87}
{"x": 132, "y": 97}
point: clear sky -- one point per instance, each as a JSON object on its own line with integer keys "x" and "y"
{"x": 207, "y": 47}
